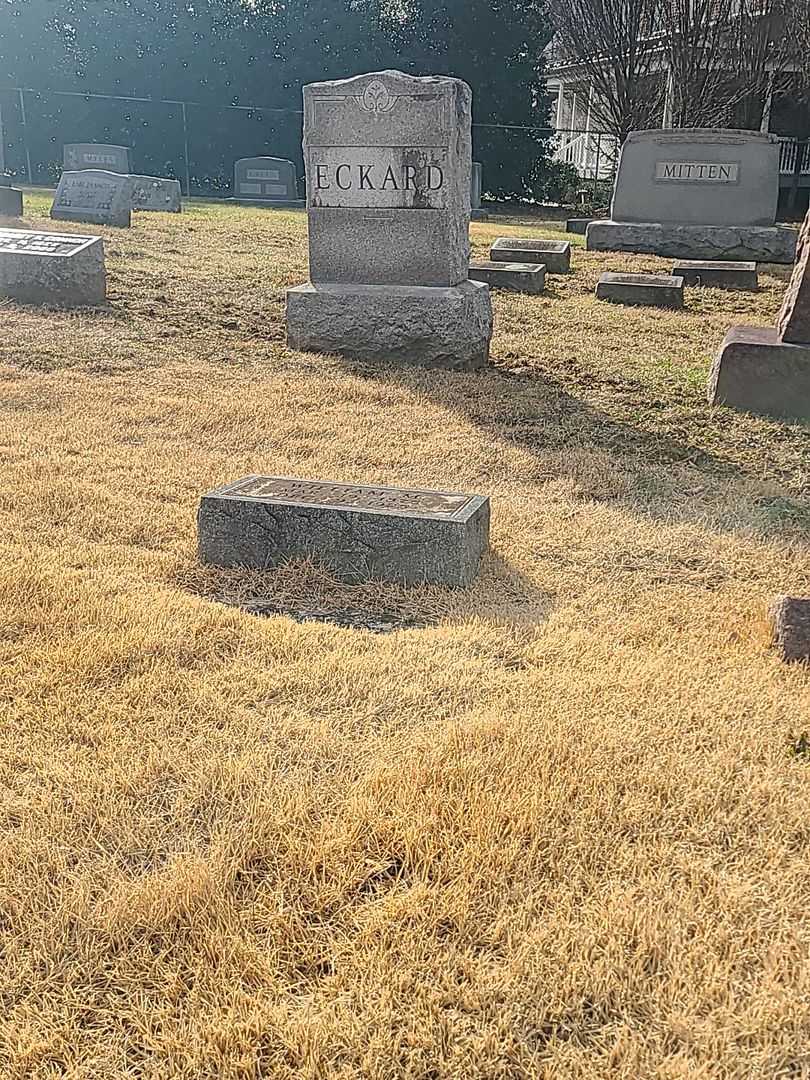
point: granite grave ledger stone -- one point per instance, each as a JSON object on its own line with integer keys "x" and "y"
{"x": 514, "y": 277}
{"x": 357, "y": 532}
{"x": 156, "y": 193}
{"x": 717, "y": 274}
{"x": 52, "y": 268}
{"x": 654, "y": 290}
{"x": 268, "y": 181}
{"x": 92, "y": 195}
{"x": 388, "y": 159}
{"x": 697, "y": 193}
{"x": 555, "y": 255}
{"x": 96, "y": 156}
{"x": 764, "y": 370}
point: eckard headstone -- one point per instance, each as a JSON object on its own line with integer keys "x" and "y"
{"x": 96, "y": 156}
{"x": 102, "y": 198}
{"x": 388, "y": 160}
{"x": 696, "y": 193}
{"x": 764, "y": 370}
{"x": 267, "y": 180}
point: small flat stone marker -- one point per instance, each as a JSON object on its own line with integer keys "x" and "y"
{"x": 578, "y": 225}
{"x": 717, "y": 275}
{"x": 764, "y": 370}
{"x": 649, "y": 289}
{"x": 52, "y": 268}
{"x": 156, "y": 193}
{"x": 101, "y": 198}
{"x": 554, "y": 254}
{"x": 790, "y": 618}
{"x": 357, "y": 532}
{"x": 517, "y": 277}
{"x": 11, "y": 201}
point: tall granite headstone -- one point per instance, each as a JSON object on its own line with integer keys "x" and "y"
{"x": 268, "y": 181}
{"x": 103, "y": 198}
{"x": 697, "y": 193}
{"x": 768, "y": 371}
{"x": 388, "y": 161}
{"x": 96, "y": 156}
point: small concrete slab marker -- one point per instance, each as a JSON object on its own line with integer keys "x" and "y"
{"x": 764, "y": 370}
{"x": 790, "y": 620}
{"x": 652, "y": 290}
{"x": 356, "y": 532}
{"x": 555, "y": 255}
{"x": 52, "y": 268}
{"x": 517, "y": 277}
{"x": 717, "y": 275}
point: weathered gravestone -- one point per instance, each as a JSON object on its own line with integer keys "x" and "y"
{"x": 156, "y": 193}
{"x": 103, "y": 198}
{"x": 358, "y": 533}
{"x": 697, "y": 194}
{"x": 767, "y": 371}
{"x": 476, "y": 190}
{"x": 654, "y": 290}
{"x": 96, "y": 156}
{"x": 388, "y": 161}
{"x": 555, "y": 255}
{"x": 11, "y": 200}
{"x": 790, "y": 622}
{"x": 717, "y": 274}
{"x": 515, "y": 277}
{"x": 270, "y": 181}
{"x": 52, "y": 268}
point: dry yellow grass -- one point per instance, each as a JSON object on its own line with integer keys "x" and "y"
{"x": 559, "y": 832}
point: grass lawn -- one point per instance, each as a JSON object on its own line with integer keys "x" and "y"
{"x": 558, "y": 829}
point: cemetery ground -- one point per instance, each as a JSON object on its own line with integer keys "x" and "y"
{"x": 551, "y": 826}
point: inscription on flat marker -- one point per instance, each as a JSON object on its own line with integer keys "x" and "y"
{"x": 360, "y": 497}
{"x": 356, "y": 531}
{"x": 52, "y": 268}
{"x": 17, "y": 241}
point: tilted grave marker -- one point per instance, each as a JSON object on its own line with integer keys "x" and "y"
{"x": 156, "y": 193}
{"x": 52, "y": 268}
{"x": 102, "y": 198}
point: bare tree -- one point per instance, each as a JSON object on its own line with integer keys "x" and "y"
{"x": 615, "y": 44}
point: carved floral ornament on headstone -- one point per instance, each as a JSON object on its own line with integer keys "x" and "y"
{"x": 377, "y": 98}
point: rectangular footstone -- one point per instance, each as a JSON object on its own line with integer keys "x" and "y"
{"x": 649, "y": 289}
{"x": 555, "y": 255}
{"x": 52, "y": 268}
{"x": 756, "y": 372}
{"x": 357, "y": 532}
{"x": 750, "y": 243}
{"x": 578, "y": 225}
{"x": 717, "y": 274}
{"x": 517, "y": 277}
{"x": 11, "y": 202}
{"x": 407, "y": 324}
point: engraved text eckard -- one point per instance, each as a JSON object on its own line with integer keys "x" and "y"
{"x": 697, "y": 172}
{"x": 378, "y": 178}
{"x": 360, "y": 497}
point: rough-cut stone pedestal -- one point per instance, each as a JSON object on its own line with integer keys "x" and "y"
{"x": 410, "y": 324}
{"x": 749, "y": 243}
{"x": 52, "y": 268}
{"x": 756, "y": 372}
{"x": 11, "y": 202}
{"x": 358, "y": 533}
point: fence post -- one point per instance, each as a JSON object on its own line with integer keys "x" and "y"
{"x": 25, "y": 138}
{"x": 185, "y": 147}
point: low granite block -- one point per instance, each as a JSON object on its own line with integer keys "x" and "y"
{"x": 756, "y": 372}
{"x": 52, "y": 268}
{"x": 750, "y": 243}
{"x": 790, "y": 619}
{"x": 356, "y": 532}
{"x": 718, "y": 274}
{"x": 555, "y": 255}
{"x": 408, "y": 324}
{"x": 11, "y": 202}
{"x": 517, "y": 277}
{"x": 578, "y": 225}
{"x": 648, "y": 289}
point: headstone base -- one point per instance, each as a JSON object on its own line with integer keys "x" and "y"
{"x": 756, "y": 372}
{"x": 358, "y": 533}
{"x": 517, "y": 277}
{"x": 717, "y": 274}
{"x": 754, "y": 243}
{"x": 448, "y": 327}
{"x": 288, "y": 204}
{"x": 11, "y": 202}
{"x": 648, "y": 289}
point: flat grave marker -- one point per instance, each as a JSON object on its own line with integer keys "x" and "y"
{"x": 555, "y": 255}
{"x": 717, "y": 274}
{"x": 357, "y": 532}
{"x": 514, "y": 276}
{"x": 52, "y": 268}
{"x": 101, "y": 198}
{"x": 648, "y": 289}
